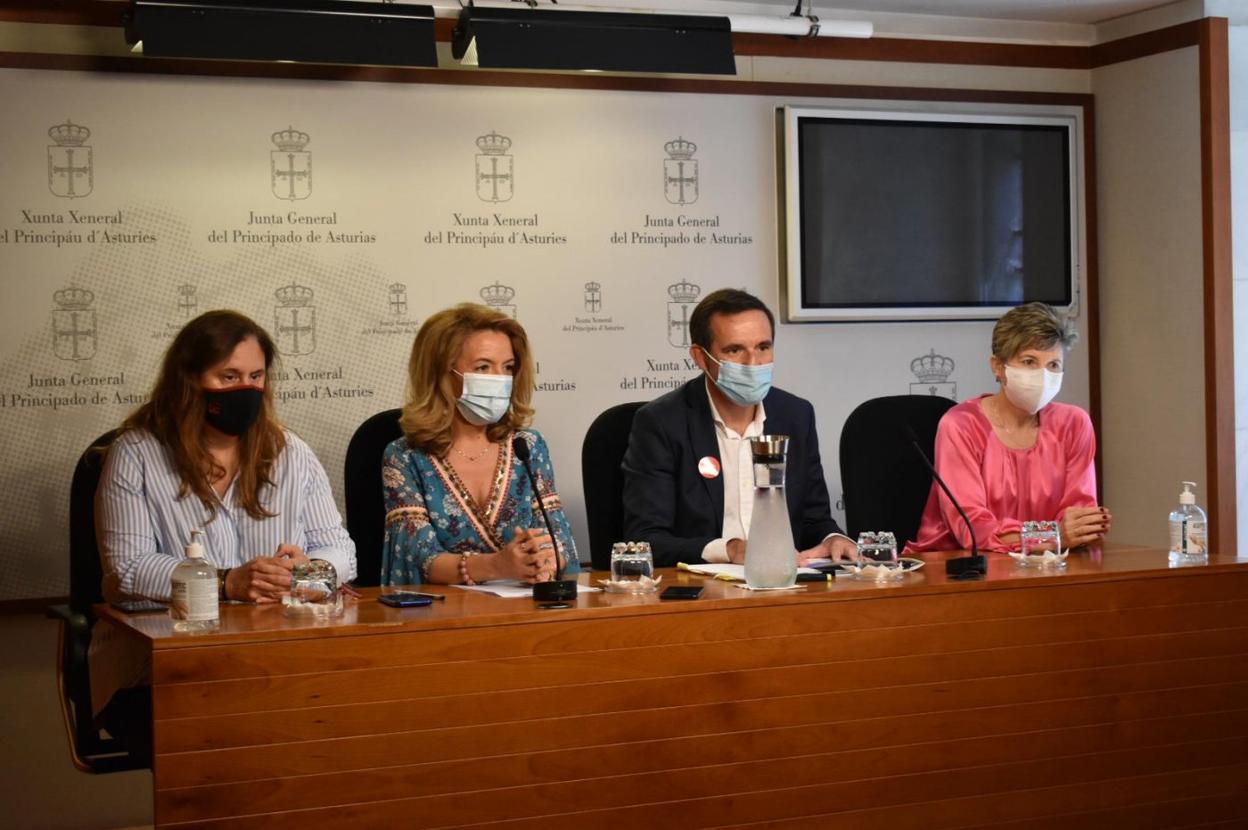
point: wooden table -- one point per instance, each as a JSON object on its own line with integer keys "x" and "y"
{"x": 1114, "y": 694}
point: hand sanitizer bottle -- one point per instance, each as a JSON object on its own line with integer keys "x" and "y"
{"x": 194, "y": 605}
{"x": 1188, "y": 530}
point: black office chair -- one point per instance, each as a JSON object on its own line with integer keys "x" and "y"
{"x": 366, "y": 511}
{"x": 603, "y": 480}
{"x": 91, "y": 750}
{"x": 885, "y": 483}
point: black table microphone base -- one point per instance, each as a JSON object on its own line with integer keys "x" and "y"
{"x": 555, "y": 591}
{"x": 967, "y": 567}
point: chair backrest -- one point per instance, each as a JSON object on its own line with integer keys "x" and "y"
{"x": 603, "y": 480}
{"x": 85, "y": 571}
{"x": 89, "y": 750}
{"x": 885, "y": 484}
{"x": 365, "y": 502}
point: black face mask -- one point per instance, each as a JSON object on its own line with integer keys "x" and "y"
{"x": 233, "y": 411}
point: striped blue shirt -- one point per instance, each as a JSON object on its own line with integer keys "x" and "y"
{"x": 143, "y": 527}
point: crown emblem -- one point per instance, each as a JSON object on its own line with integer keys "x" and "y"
{"x": 69, "y": 134}
{"x": 680, "y": 149}
{"x": 73, "y": 299}
{"x": 294, "y": 295}
{"x": 684, "y": 292}
{"x": 493, "y": 144}
{"x": 497, "y": 294}
{"x": 291, "y": 140}
{"x": 398, "y": 288}
{"x": 932, "y": 367}
{"x": 187, "y": 290}
{"x": 593, "y": 287}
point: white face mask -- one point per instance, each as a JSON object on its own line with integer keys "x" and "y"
{"x": 1031, "y": 389}
{"x": 485, "y": 399}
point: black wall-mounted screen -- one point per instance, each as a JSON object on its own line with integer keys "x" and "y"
{"x": 949, "y": 216}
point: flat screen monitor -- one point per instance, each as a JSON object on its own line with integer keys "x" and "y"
{"x": 924, "y": 215}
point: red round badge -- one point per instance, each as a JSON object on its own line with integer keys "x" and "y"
{"x": 708, "y": 466}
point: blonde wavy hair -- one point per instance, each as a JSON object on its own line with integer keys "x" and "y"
{"x": 430, "y": 405}
{"x": 1031, "y": 326}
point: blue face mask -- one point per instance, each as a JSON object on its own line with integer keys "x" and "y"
{"x": 485, "y": 399}
{"x": 745, "y": 385}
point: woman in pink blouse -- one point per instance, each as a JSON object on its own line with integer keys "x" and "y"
{"x": 1014, "y": 456}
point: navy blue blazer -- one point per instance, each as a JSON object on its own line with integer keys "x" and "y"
{"x": 669, "y": 504}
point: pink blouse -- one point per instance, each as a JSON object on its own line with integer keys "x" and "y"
{"x": 998, "y": 487}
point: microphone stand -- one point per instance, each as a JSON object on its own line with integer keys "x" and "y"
{"x": 975, "y": 564}
{"x": 559, "y": 589}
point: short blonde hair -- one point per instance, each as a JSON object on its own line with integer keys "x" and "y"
{"x": 430, "y": 406}
{"x": 1031, "y": 326}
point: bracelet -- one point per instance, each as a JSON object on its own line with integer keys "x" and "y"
{"x": 222, "y": 573}
{"x": 463, "y": 569}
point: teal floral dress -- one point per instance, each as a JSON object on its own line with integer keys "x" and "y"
{"x": 429, "y": 511}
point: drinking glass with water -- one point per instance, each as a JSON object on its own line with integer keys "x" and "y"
{"x": 877, "y": 548}
{"x": 314, "y": 590}
{"x": 1040, "y": 543}
{"x": 632, "y": 566}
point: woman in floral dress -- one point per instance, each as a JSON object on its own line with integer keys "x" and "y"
{"x": 459, "y": 505}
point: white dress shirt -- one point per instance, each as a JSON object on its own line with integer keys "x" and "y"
{"x": 737, "y": 469}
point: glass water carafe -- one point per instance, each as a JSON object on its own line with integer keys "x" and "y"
{"x": 770, "y": 558}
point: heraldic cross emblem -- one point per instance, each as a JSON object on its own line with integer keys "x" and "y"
{"x": 684, "y": 296}
{"x": 593, "y": 296}
{"x": 295, "y": 319}
{"x": 398, "y": 299}
{"x": 71, "y": 173}
{"x": 495, "y": 170}
{"x": 680, "y": 172}
{"x": 73, "y": 324}
{"x": 188, "y": 300}
{"x": 290, "y": 165}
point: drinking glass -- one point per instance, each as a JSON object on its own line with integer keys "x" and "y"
{"x": 632, "y": 567}
{"x": 314, "y": 589}
{"x": 877, "y": 555}
{"x": 1040, "y": 543}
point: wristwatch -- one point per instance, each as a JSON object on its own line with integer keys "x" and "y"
{"x": 222, "y": 573}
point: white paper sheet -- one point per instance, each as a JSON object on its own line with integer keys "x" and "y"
{"x": 514, "y": 588}
{"x": 727, "y": 570}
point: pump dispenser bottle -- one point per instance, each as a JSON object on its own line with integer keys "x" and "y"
{"x": 194, "y": 604}
{"x": 1188, "y": 529}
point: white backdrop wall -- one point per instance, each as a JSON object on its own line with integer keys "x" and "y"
{"x": 190, "y": 204}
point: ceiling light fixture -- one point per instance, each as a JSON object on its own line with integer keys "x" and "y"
{"x": 316, "y": 31}
{"x": 502, "y": 37}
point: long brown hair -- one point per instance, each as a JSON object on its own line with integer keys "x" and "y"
{"x": 174, "y": 412}
{"x": 430, "y": 406}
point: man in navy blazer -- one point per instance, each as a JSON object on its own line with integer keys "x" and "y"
{"x": 688, "y": 478}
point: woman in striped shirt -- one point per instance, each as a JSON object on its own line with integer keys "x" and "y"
{"x": 207, "y": 451}
{"x": 204, "y": 452}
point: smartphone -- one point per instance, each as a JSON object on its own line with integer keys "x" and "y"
{"x": 681, "y": 592}
{"x": 834, "y": 568}
{"x": 404, "y": 599}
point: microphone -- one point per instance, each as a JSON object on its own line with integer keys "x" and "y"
{"x": 560, "y": 589}
{"x": 964, "y": 567}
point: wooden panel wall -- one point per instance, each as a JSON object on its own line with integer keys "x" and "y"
{"x": 1113, "y": 703}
